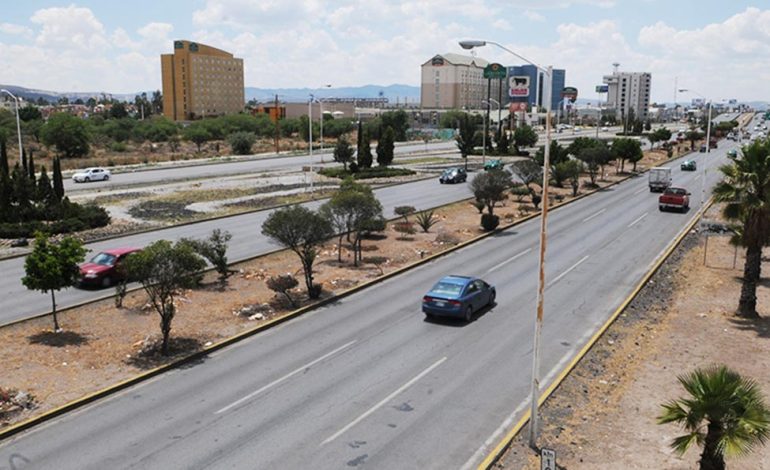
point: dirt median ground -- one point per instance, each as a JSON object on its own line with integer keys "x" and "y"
{"x": 603, "y": 416}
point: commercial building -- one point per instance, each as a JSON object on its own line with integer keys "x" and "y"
{"x": 537, "y": 84}
{"x": 629, "y": 90}
{"x": 454, "y": 81}
{"x": 199, "y": 81}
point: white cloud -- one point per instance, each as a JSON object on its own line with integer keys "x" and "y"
{"x": 70, "y": 28}
{"x": 533, "y": 16}
{"x": 14, "y": 29}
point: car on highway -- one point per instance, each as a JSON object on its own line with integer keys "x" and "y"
{"x": 91, "y": 174}
{"x": 493, "y": 165}
{"x": 674, "y": 198}
{"x": 605, "y": 129}
{"x": 458, "y": 297}
{"x": 732, "y": 153}
{"x": 103, "y": 270}
{"x": 688, "y": 165}
{"x": 453, "y": 175}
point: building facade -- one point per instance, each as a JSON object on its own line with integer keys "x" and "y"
{"x": 629, "y": 90}
{"x": 454, "y": 81}
{"x": 200, "y": 81}
{"x": 537, "y": 84}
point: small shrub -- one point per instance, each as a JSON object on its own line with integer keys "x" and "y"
{"x": 119, "y": 147}
{"x": 282, "y": 284}
{"x": 377, "y": 261}
{"x": 365, "y": 173}
{"x": 404, "y": 211}
{"x": 444, "y": 237}
{"x": 479, "y": 205}
{"x": 426, "y": 220}
{"x": 520, "y": 192}
{"x": 353, "y": 167}
{"x": 489, "y": 222}
{"x": 405, "y": 229}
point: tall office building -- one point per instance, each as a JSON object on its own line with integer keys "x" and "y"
{"x": 628, "y": 90}
{"x": 200, "y": 81}
{"x": 454, "y": 81}
{"x": 536, "y": 84}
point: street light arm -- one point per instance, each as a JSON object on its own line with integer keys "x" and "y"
{"x": 470, "y": 44}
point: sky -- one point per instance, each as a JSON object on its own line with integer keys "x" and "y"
{"x": 718, "y": 49}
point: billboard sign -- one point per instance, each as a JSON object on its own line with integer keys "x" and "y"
{"x": 602, "y": 88}
{"x": 569, "y": 93}
{"x": 518, "y": 86}
{"x": 698, "y": 102}
{"x": 495, "y": 71}
{"x": 516, "y": 107}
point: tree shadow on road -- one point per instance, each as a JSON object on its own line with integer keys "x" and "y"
{"x": 58, "y": 340}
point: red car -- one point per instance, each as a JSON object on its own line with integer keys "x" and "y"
{"x": 103, "y": 270}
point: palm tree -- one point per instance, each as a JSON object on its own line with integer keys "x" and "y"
{"x": 725, "y": 413}
{"x": 745, "y": 189}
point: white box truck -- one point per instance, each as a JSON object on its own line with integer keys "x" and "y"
{"x": 660, "y": 178}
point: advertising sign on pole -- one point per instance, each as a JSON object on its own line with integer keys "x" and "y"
{"x": 569, "y": 93}
{"x": 602, "y": 88}
{"x": 495, "y": 71}
{"x": 518, "y": 86}
{"x": 519, "y": 106}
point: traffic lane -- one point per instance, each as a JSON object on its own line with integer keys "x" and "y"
{"x": 226, "y": 168}
{"x": 438, "y": 412}
{"x": 247, "y": 240}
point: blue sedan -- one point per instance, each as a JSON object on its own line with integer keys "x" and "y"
{"x": 457, "y": 296}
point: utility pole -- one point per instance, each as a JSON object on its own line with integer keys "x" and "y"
{"x": 277, "y": 125}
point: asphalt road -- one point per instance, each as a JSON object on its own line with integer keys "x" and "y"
{"x": 17, "y": 302}
{"x": 367, "y": 381}
{"x": 174, "y": 172}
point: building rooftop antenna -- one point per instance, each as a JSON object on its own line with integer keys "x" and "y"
{"x": 615, "y": 66}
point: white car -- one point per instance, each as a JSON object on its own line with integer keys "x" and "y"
{"x": 91, "y": 174}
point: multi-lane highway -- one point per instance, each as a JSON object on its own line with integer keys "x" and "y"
{"x": 18, "y": 302}
{"x": 366, "y": 381}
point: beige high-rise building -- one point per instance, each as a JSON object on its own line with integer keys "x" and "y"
{"x": 629, "y": 90}
{"x": 200, "y": 81}
{"x": 454, "y": 81}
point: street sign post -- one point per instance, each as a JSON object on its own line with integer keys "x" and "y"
{"x": 547, "y": 459}
{"x": 518, "y": 86}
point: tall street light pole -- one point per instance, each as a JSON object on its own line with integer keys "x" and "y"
{"x": 18, "y": 124}
{"x": 547, "y": 84}
{"x": 310, "y": 137}
{"x": 708, "y": 145}
{"x": 487, "y": 102}
{"x": 321, "y": 107}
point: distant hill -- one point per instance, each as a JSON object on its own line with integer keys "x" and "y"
{"x": 394, "y": 93}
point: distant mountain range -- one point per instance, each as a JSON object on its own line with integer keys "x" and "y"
{"x": 394, "y": 93}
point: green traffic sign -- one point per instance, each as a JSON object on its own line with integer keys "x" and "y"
{"x": 495, "y": 71}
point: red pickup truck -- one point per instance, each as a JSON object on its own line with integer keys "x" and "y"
{"x": 674, "y": 198}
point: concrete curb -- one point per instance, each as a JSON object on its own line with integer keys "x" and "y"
{"x": 19, "y": 427}
{"x": 497, "y": 452}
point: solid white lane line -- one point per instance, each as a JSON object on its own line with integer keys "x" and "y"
{"x": 637, "y": 220}
{"x": 641, "y": 191}
{"x": 384, "y": 401}
{"x": 498, "y": 266}
{"x": 594, "y": 215}
{"x": 697, "y": 177}
{"x": 277, "y": 381}
{"x": 567, "y": 271}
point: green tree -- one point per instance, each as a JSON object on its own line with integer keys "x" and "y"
{"x": 118, "y": 110}
{"x": 502, "y": 142}
{"x": 241, "y": 142}
{"x": 489, "y": 188}
{"x": 164, "y": 270}
{"x": 627, "y": 149}
{"x": 364, "y": 158}
{"x": 44, "y": 190}
{"x": 53, "y": 266}
{"x": 694, "y": 135}
{"x": 3, "y": 158}
{"x": 724, "y": 412}
{"x": 385, "y": 147}
{"x": 343, "y": 152}
{"x": 398, "y": 121}
{"x": 301, "y": 230}
{"x": 465, "y": 136}
{"x": 214, "y": 250}
{"x": 558, "y": 154}
{"x": 197, "y": 134}
{"x": 29, "y": 113}
{"x": 68, "y": 134}
{"x": 58, "y": 181}
{"x": 594, "y": 159}
{"x": 745, "y": 191}
{"x": 524, "y": 136}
